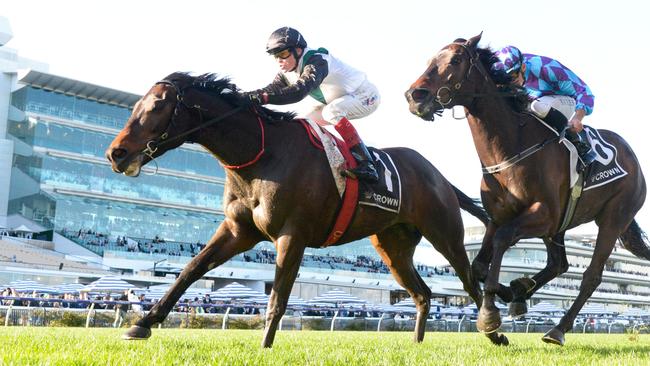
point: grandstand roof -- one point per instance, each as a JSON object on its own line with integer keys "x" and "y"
{"x": 77, "y": 88}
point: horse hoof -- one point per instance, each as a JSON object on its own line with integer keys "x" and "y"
{"x": 498, "y": 339}
{"x": 516, "y": 309}
{"x": 522, "y": 286}
{"x": 554, "y": 336}
{"x": 137, "y": 332}
{"x": 488, "y": 321}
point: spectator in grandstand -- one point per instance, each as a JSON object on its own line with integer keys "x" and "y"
{"x": 195, "y": 306}
{"x": 120, "y": 310}
{"x": 134, "y": 300}
{"x": 9, "y": 292}
{"x": 106, "y": 306}
{"x": 207, "y": 301}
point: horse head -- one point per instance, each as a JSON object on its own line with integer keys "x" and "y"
{"x": 163, "y": 119}
{"x": 453, "y": 77}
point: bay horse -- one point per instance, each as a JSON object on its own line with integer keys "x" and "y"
{"x": 527, "y": 199}
{"x": 279, "y": 187}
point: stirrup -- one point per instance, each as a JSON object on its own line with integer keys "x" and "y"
{"x": 364, "y": 171}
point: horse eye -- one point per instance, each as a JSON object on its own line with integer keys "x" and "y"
{"x": 455, "y": 61}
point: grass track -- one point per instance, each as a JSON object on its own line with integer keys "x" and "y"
{"x": 78, "y": 346}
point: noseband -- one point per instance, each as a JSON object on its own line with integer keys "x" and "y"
{"x": 454, "y": 91}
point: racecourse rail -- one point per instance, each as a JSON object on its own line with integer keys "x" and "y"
{"x": 332, "y": 318}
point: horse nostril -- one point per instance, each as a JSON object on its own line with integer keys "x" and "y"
{"x": 118, "y": 154}
{"x": 418, "y": 95}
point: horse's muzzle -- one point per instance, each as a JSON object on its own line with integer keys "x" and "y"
{"x": 123, "y": 162}
{"x": 422, "y": 103}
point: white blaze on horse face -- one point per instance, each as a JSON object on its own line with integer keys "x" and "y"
{"x": 445, "y": 67}
{"x": 148, "y": 104}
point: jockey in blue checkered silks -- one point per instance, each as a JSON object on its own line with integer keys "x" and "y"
{"x": 557, "y": 95}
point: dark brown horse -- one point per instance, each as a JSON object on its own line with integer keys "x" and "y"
{"x": 528, "y": 199}
{"x": 279, "y": 187}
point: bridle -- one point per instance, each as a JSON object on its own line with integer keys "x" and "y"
{"x": 164, "y": 139}
{"x": 454, "y": 90}
{"x": 475, "y": 63}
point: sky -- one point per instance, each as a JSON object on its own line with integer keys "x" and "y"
{"x": 129, "y": 45}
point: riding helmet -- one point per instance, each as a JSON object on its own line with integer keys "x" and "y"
{"x": 510, "y": 59}
{"x": 283, "y": 38}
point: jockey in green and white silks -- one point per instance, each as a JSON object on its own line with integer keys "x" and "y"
{"x": 341, "y": 91}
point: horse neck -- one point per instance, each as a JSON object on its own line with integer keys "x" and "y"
{"x": 234, "y": 141}
{"x": 496, "y": 130}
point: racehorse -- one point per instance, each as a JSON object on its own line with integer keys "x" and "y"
{"x": 527, "y": 199}
{"x": 279, "y": 187}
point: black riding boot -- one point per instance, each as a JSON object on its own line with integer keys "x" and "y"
{"x": 558, "y": 121}
{"x": 365, "y": 169}
{"x": 581, "y": 142}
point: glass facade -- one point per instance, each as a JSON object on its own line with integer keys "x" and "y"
{"x": 134, "y": 220}
{"x": 70, "y": 107}
{"x": 55, "y": 136}
{"x": 99, "y": 178}
{"x": 73, "y": 187}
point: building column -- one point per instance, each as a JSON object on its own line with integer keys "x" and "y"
{"x": 6, "y": 145}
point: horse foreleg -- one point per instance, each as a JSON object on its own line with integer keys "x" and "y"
{"x": 481, "y": 262}
{"x": 531, "y": 223}
{"x": 556, "y": 264}
{"x": 290, "y": 252}
{"x": 228, "y": 240}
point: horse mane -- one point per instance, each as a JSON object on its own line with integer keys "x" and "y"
{"x": 226, "y": 90}
{"x": 502, "y": 80}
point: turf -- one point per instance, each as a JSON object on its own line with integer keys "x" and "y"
{"x": 79, "y": 346}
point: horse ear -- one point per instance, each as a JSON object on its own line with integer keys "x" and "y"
{"x": 473, "y": 42}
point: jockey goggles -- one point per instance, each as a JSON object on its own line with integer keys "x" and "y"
{"x": 285, "y": 53}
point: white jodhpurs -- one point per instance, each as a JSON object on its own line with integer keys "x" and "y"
{"x": 565, "y": 104}
{"x": 358, "y": 104}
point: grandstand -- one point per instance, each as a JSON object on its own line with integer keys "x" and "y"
{"x": 41, "y": 256}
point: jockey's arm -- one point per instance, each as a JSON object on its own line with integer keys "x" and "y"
{"x": 311, "y": 77}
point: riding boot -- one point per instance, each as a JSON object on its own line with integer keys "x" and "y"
{"x": 581, "y": 142}
{"x": 559, "y": 122}
{"x": 365, "y": 169}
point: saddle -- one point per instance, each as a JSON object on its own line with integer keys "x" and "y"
{"x": 384, "y": 194}
{"x": 605, "y": 169}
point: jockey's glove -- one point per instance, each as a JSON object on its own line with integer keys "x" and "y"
{"x": 256, "y": 97}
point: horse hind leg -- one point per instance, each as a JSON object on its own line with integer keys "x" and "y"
{"x": 450, "y": 244}
{"x": 591, "y": 278}
{"x": 227, "y": 241}
{"x": 396, "y": 246}
{"x": 556, "y": 264}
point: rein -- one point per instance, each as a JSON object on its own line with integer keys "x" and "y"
{"x": 163, "y": 140}
{"x": 477, "y": 64}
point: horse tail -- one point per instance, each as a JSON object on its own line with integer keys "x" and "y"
{"x": 636, "y": 241}
{"x": 472, "y": 206}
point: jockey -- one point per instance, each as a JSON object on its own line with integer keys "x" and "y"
{"x": 557, "y": 95}
{"x": 341, "y": 91}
